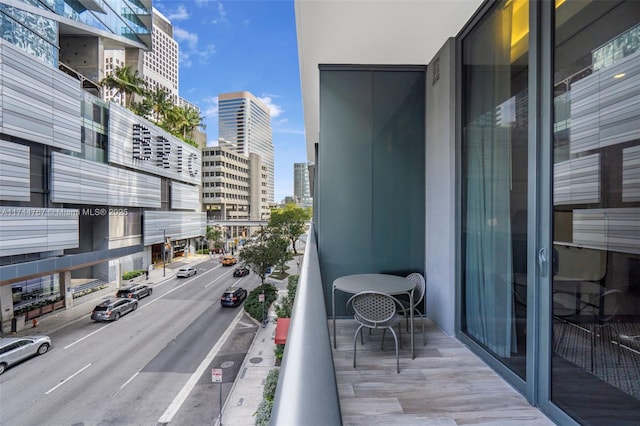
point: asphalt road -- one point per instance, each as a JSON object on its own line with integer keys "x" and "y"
{"x": 153, "y": 366}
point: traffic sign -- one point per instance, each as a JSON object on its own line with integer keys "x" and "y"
{"x": 216, "y": 375}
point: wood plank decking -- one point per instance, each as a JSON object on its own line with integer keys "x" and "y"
{"x": 446, "y": 384}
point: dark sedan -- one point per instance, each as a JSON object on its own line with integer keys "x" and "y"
{"x": 233, "y": 296}
{"x": 241, "y": 271}
{"x": 135, "y": 292}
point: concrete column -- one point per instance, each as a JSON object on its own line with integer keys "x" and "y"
{"x": 65, "y": 288}
{"x": 6, "y": 308}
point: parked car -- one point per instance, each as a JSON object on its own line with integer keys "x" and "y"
{"x": 135, "y": 292}
{"x": 113, "y": 308}
{"x": 228, "y": 260}
{"x": 16, "y": 349}
{"x": 186, "y": 272}
{"x": 241, "y": 271}
{"x": 233, "y": 296}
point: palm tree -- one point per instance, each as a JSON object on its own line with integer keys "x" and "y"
{"x": 183, "y": 121}
{"x": 160, "y": 100}
{"x": 126, "y": 81}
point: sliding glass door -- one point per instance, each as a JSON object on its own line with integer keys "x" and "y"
{"x": 494, "y": 180}
{"x": 554, "y": 305}
{"x": 596, "y": 211}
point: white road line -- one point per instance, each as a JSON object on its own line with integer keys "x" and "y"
{"x": 226, "y": 273}
{"x": 177, "y": 402}
{"x": 88, "y": 335}
{"x": 67, "y": 379}
{"x": 125, "y": 383}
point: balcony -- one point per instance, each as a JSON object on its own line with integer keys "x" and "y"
{"x": 445, "y": 384}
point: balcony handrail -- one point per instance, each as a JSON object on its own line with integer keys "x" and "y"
{"x": 307, "y": 390}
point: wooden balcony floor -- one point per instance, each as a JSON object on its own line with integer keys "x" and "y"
{"x": 446, "y": 384}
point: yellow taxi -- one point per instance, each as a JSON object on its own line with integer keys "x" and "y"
{"x": 228, "y": 260}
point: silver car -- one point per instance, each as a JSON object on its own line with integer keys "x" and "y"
{"x": 16, "y": 349}
{"x": 185, "y": 272}
{"x": 112, "y": 309}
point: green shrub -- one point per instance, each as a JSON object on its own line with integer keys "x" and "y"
{"x": 279, "y": 352}
{"x": 269, "y": 391}
{"x": 283, "y": 309}
{"x": 263, "y": 414}
{"x": 252, "y": 304}
{"x": 128, "y": 275}
{"x": 202, "y": 251}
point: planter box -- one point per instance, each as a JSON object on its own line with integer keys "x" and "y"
{"x": 47, "y": 308}
{"x": 58, "y": 305}
{"x": 34, "y": 313}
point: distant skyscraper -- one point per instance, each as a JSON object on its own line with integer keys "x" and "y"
{"x": 245, "y": 122}
{"x": 301, "y": 187}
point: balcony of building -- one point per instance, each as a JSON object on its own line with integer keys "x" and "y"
{"x": 445, "y": 384}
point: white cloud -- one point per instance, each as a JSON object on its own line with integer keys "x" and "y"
{"x": 274, "y": 110}
{"x": 185, "y": 36}
{"x": 205, "y": 53}
{"x": 211, "y": 107}
{"x": 222, "y": 14}
{"x": 179, "y": 15}
{"x": 184, "y": 59}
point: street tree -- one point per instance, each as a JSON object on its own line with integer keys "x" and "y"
{"x": 214, "y": 236}
{"x": 261, "y": 256}
{"x": 291, "y": 221}
{"x": 266, "y": 252}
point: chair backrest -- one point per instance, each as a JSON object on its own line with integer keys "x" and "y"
{"x": 418, "y": 293}
{"x": 373, "y": 306}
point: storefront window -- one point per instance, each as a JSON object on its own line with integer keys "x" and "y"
{"x": 596, "y": 217}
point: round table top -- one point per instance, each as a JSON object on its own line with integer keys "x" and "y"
{"x": 384, "y": 283}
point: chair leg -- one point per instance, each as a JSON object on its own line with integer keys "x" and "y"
{"x": 355, "y": 344}
{"x": 397, "y": 352}
{"x": 382, "y": 344}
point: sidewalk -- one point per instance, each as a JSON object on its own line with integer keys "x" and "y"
{"x": 246, "y": 394}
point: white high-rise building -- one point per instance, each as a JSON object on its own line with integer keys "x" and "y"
{"x": 245, "y": 122}
{"x": 161, "y": 63}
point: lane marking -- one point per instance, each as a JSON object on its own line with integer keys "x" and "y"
{"x": 88, "y": 335}
{"x": 126, "y": 383}
{"x": 221, "y": 276}
{"x": 67, "y": 379}
{"x": 177, "y": 402}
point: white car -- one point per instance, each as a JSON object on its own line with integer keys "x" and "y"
{"x": 16, "y": 349}
{"x": 185, "y": 272}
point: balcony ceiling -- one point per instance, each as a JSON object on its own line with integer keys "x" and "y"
{"x": 384, "y": 32}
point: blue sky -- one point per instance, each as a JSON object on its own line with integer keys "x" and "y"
{"x": 230, "y": 46}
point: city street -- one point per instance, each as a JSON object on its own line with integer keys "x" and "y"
{"x": 142, "y": 368}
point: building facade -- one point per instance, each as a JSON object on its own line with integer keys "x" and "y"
{"x": 301, "y": 188}
{"x": 160, "y": 68}
{"x": 502, "y": 163}
{"x": 88, "y": 189}
{"x": 231, "y": 184}
{"x": 245, "y": 122}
